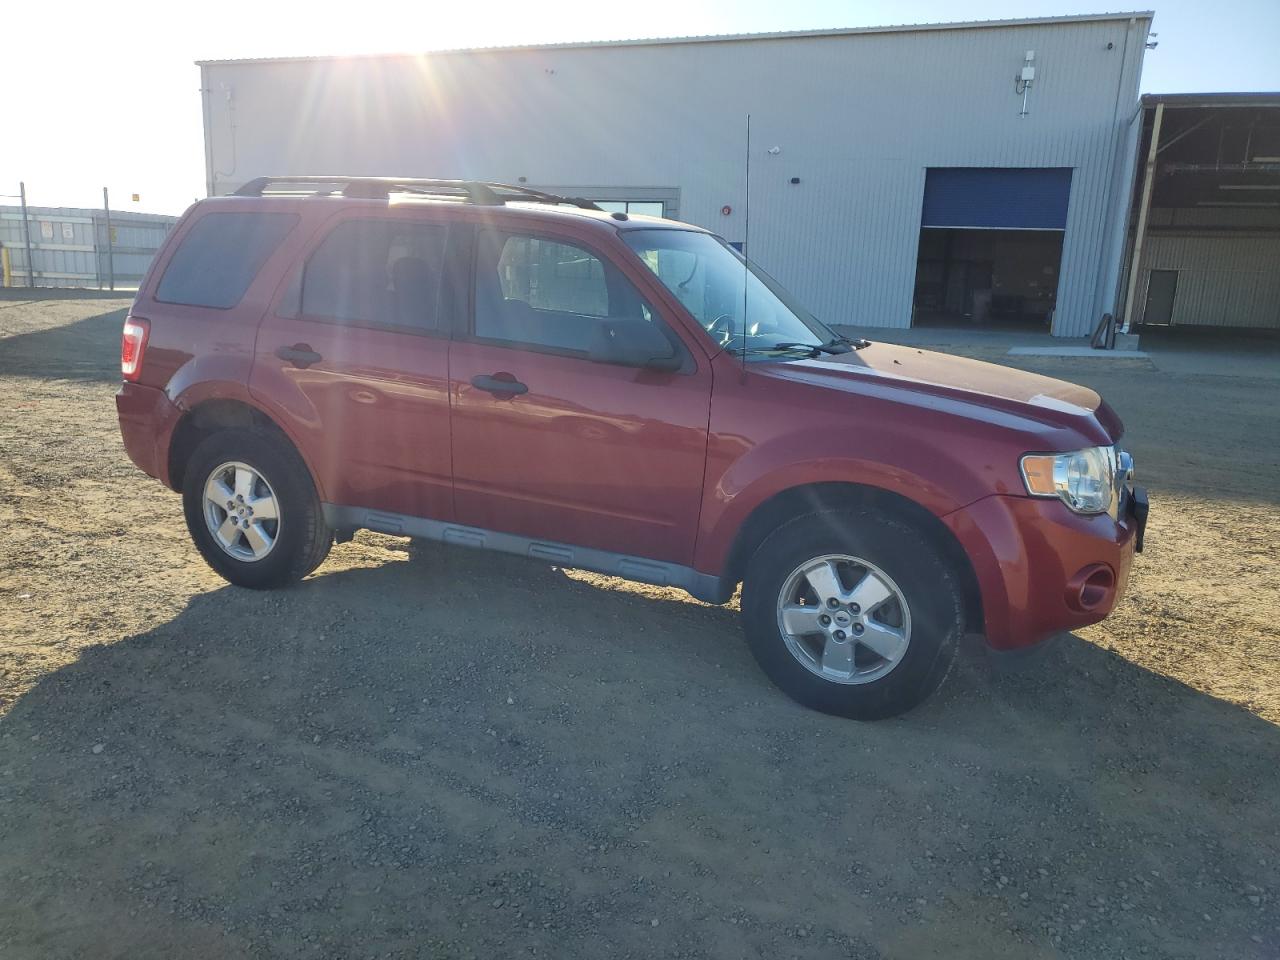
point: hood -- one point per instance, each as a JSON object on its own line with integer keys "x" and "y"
{"x": 929, "y": 374}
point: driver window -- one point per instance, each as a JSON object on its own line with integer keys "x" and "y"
{"x": 553, "y": 276}
{"x": 548, "y": 293}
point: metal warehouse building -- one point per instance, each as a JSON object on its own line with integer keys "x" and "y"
{"x": 972, "y": 172}
{"x": 74, "y": 247}
{"x": 1205, "y": 249}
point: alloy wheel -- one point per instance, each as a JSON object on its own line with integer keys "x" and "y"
{"x": 844, "y": 619}
{"x": 241, "y": 511}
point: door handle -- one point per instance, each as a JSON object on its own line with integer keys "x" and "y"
{"x": 300, "y": 355}
{"x": 500, "y": 385}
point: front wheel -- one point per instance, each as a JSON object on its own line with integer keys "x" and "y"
{"x": 252, "y": 510}
{"x": 852, "y": 613}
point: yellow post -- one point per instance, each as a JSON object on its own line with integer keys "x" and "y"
{"x": 4, "y": 262}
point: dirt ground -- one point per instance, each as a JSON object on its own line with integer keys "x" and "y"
{"x": 465, "y": 755}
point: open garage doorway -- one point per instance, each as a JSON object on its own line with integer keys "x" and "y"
{"x": 990, "y": 247}
{"x": 993, "y": 278}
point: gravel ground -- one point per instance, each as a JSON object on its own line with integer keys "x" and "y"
{"x": 450, "y": 754}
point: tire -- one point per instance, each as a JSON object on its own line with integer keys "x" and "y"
{"x": 917, "y": 627}
{"x": 299, "y": 537}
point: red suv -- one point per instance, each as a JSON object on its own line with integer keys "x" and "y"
{"x": 490, "y": 366}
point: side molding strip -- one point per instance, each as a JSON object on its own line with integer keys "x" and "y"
{"x": 703, "y": 586}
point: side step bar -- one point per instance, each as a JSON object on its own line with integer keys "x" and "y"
{"x": 703, "y": 586}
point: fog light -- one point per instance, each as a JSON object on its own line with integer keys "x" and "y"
{"x": 1090, "y": 588}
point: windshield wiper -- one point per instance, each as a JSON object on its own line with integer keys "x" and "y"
{"x": 835, "y": 346}
{"x": 853, "y": 344}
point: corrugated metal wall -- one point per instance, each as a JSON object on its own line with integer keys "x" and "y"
{"x": 857, "y": 117}
{"x": 1222, "y": 281}
{"x": 1189, "y": 218}
{"x": 69, "y": 245}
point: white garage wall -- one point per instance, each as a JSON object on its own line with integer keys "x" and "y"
{"x": 858, "y": 117}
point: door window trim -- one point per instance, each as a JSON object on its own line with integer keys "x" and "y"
{"x": 467, "y": 325}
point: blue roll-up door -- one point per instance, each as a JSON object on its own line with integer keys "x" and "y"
{"x": 997, "y": 198}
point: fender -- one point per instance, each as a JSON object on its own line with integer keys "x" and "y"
{"x": 929, "y": 470}
{"x": 297, "y": 411}
{"x": 220, "y": 377}
{"x": 991, "y": 539}
{"x": 739, "y": 493}
{"x": 186, "y": 388}
{"x": 186, "y": 396}
{"x": 776, "y": 426}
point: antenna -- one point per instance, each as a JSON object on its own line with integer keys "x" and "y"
{"x": 746, "y": 239}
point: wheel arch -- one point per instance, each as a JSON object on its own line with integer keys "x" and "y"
{"x": 221, "y": 413}
{"x": 812, "y": 498}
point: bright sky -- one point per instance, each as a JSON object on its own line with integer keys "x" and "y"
{"x": 106, "y": 93}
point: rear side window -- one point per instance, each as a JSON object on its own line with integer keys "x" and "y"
{"x": 220, "y": 256}
{"x": 382, "y": 273}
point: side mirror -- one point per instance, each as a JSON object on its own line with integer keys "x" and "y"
{"x": 635, "y": 343}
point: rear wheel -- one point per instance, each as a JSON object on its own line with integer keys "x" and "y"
{"x": 252, "y": 510}
{"x": 852, "y": 613}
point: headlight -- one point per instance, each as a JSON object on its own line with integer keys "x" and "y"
{"x": 1085, "y": 480}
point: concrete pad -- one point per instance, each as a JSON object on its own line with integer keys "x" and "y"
{"x": 1223, "y": 355}
{"x": 1127, "y": 341}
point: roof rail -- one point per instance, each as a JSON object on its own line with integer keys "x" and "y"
{"x": 480, "y": 192}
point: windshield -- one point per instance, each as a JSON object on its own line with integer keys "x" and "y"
{"x": 708, "y": 277}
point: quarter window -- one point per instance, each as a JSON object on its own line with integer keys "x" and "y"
{"x": 379, "y": 273}
{"x": 220, "y": 256}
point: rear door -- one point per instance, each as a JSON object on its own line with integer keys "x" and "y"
{"x": 1161, "y": 287}
{"x": 552, "y": 445}
{"x": 354, "y": 358}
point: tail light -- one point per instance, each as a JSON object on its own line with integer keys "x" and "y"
{"x": 133, "y": 343}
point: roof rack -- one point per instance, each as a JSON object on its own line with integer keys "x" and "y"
{"x": 480, "y": 192}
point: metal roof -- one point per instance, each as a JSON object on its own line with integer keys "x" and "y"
{"x": 717, "y": 38}
{"x": 1212, "y": 99}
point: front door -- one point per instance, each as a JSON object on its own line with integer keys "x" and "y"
{"x": 1161, "y": 287}
{"x": 552, "y": 445}
{"x": 355, "y": 358}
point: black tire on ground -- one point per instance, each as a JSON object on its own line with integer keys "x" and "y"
{"x": 930, "y": 587}
{"x": 303, "y": 539}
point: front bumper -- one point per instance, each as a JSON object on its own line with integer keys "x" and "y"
{"x": 146, "y": 417}
{"x": 1042, "y": 569}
